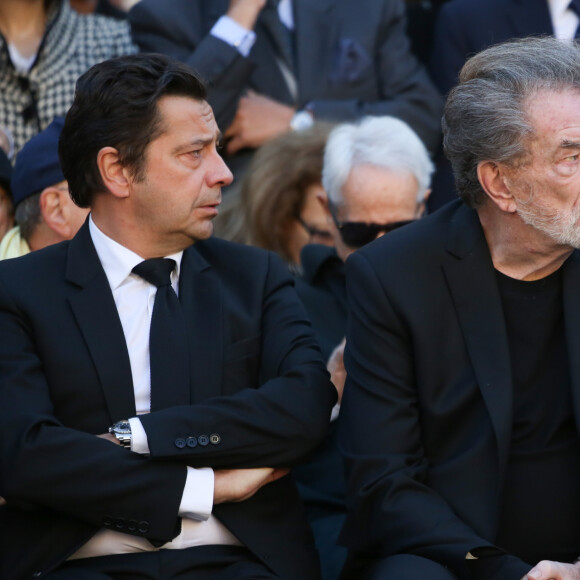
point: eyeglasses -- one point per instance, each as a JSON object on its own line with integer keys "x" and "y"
{"x": 313, "y": 231}
{"x": 359, "y": 234}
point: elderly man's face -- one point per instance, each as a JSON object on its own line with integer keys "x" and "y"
{"x": 375, "y": 195}
{"x": 183, "y": 175}
{"x": 547, "y": 188}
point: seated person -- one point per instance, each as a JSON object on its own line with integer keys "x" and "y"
{"x": 44, "y": 211}
{"x": 376, "y": 176}
{"x": 459, "y": 418}
{"x": 278, "y": 208}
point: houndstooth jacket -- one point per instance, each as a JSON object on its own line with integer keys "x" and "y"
{"x": 72, "y": 43}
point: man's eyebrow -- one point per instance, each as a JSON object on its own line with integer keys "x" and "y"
{"x": 201, "y": 142}
{"x": 567, "y": 144}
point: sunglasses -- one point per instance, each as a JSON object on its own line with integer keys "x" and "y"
{"x": 358, "y": 234}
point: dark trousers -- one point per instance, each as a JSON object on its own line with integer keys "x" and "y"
{"x": 198, "y": 563}
{"x": 397, "y": 567}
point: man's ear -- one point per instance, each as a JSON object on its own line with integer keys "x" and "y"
{"x": 496, "y": 184}
{"x": 114, "y": 175}
{"x": 52, "y": 211}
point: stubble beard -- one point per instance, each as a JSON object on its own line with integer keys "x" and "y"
{"x": 563, "y": 227}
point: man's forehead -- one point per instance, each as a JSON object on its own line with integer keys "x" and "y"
{"x": 179, "y": 113}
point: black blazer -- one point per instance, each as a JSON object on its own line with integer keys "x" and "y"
{"x": 426, "y": 412}
{"x": 352, "y": 59}
{"x": 257, "y": 381}
{"x": 465, "y": 27}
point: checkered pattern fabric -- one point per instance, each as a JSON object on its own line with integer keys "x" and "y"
{"x": 72, "y": 43}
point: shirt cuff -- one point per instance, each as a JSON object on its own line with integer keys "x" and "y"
{"x": 197, "y": 500}
{"x": 228, "y": 30}
{"x": 139, "y": 443}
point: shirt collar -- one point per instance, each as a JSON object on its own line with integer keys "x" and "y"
{"x": 118, "y": 261}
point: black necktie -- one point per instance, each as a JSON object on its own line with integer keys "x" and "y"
{"x": 167, "y": 338}
{"x": 575, "y": 7}
{"x": 281, "y": 36}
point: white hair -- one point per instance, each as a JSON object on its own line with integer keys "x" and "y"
{"x": 384, "y": 142}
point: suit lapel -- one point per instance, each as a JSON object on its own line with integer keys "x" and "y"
{"x": 316, "y": 34}
{"x": 95, "y": 311}
{"x": 201, "y": 300}
{"x": 570, "y": 291}
{"x": 471, "y": 279}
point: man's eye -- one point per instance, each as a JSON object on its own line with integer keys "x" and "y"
{"x": 573, "y": 157}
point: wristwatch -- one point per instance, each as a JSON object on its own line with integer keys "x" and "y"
{"x": 301, "y": 120}
{"x": 122, "y": 431}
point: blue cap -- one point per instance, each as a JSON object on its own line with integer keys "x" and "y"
{"x": 37, "y": 165}
{"x": 5, "y": 171}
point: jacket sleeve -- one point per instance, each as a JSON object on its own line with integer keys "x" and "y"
{"x": 180, "y": 30}
{"x": 391, "y": 507}
{"x": 276, "y": 424}
{"x": 47, "y": 465}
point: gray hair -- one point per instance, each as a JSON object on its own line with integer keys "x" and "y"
{"x": 485, "y": 115}
{"x": 27, "y": 215}
{"x": 384, "y": 142}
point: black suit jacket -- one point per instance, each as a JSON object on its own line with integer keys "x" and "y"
{"x": 427, "y": 408}
{"x": 257, "y": 381}
{"x": 353, "y": 59}
{"x": 465, "y": 27}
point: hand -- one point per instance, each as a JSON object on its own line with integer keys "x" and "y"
{"x": 335, "y": 367}
{"x": 233, "y": 485}
{"x": 258, "y": 119}
{"x": 2, "y": 501}
{"x": 547, "y": 570}
{"x": 245, "y": 12}
{"x": 110, "y": 437}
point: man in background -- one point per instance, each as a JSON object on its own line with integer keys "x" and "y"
{"x": 275, "y": 66}
{"x": 376, "y": 177}
{"x": 44, "y": 211}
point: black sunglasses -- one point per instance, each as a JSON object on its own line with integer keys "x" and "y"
{"x": 358, "y": 234}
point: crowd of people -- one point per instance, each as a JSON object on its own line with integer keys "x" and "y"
{"x": 289, "y": 289}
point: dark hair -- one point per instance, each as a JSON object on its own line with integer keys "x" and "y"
{"x": 115, "y": 105}
{"x": 485, "y": 118}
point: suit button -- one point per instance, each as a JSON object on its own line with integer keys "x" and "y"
{"x": 108, "y": 521}
{"x": 214, "y": 439}
{"x": 143, "y": 527}
{"x": 120, "y": 523}
{"x": 203, "y": 440}
{"x": 180, "y": 443}
{"x": 132, "y": 525}
{"x": 37, "y": 574}
{"x": 191, "y": 442}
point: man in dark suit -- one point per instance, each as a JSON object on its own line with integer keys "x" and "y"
{"x": 206, "y": 429}
{"x": 274, "y": 66}
{"x": 465, "y": 27}
{"x": 460, "y": 410}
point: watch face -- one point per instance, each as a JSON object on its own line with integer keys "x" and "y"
{"x": 122, "y": 427}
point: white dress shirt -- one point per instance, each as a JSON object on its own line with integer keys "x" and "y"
{"x": 564, "y": 21}
{"x": 243, "y": 40}
{"x": 134, "y": 298}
